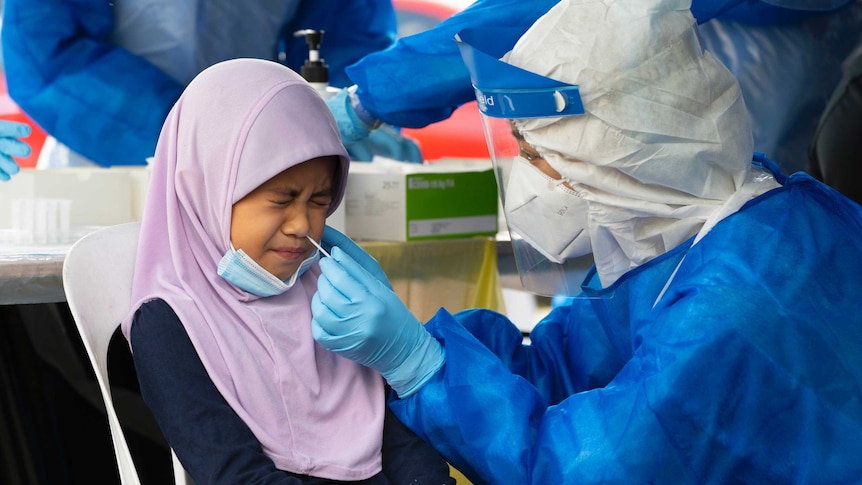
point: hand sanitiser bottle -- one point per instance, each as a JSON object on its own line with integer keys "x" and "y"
{"x": 315, "y": 70}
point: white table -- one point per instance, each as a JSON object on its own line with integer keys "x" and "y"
{"x": 31, "y": 270}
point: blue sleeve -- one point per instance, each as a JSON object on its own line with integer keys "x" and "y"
{"x": 210, "y": 439}
{"x": 421, "y": 78}
{"x": 352, "y": 30}
{"x": 98, "y": 99}
{"x": 489, "y": 431}
{"x": 716, "y": 391}
{"x": 561, "y": 359}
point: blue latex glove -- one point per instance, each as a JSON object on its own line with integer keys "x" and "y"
{"x": 358, "y": 317}
{"x": 352, "y": 128}
{"x": 364, "y": 136}
{"x": 333, "y": 237}
{"x": 11, "y": 146}
{"x": 388, "y": 142}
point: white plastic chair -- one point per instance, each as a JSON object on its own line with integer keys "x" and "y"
{"x": 97, "y": 279}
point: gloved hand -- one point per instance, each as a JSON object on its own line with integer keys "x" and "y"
{"x": 358, "y": 317}
{"x": 365, "y": 136}
{"x": 333, "y": 237}
{"x": 386, "y": 141}
{"x": 11, "y": 146}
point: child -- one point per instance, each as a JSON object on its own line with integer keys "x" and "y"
{"x": 248, "y": 166}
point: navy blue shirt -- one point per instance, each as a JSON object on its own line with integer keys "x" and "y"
{"x": 213, "y": 443}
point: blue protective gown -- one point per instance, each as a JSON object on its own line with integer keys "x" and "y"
{"x": 421, "y": 79}
{"x": 101, "y": 76}
{"x": 786, "y": 54}
{"x": 787, "y": 70}
{"x": 748, "y": 369}
{"x": 105, "y": 94}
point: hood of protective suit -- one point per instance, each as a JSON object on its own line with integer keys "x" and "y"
{"x": 665, "y": 140}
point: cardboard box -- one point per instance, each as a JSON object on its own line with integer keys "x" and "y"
{"x": 396, "y": 201}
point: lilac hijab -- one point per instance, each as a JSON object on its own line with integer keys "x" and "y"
{"x": 238, "y": 124}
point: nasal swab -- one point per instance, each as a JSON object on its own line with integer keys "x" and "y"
{"x": 318, "y": 246}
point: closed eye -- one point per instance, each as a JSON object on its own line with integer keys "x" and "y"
{"x": 321, "y": 201}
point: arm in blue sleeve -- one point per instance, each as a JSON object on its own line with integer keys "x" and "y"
{"x": 210, "y": 439}
{"x": 713, "y": 393}
{"x": 421, "y": 79}
{"x": 98, "y": 99}
{"x": 359, "y": 28}
{"x": 561, "y": 359}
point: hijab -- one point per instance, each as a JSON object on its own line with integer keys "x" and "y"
{"x": 238, "y": 124}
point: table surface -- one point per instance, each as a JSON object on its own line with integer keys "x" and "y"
{"x": 31, "y": 271}
{"x": 31, "y": 268}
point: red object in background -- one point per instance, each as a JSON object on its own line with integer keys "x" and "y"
{"x": 10, "y": 111}
{"x": 461, "y": 135}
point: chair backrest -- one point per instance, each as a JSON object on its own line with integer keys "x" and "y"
{"x": 97, "y": 279}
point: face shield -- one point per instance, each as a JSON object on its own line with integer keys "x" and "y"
{"x": 546, "y": 218}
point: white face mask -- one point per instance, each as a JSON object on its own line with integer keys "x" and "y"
{"x": 546, "y": 213}
{"x": 238, "y": 268}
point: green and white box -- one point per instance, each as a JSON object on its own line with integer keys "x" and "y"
{"x": 395, "y": 201}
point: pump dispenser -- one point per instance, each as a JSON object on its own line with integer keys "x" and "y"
{"x": 315, "y": 70}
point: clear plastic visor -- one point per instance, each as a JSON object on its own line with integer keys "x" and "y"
{"x": 546, "y": 221}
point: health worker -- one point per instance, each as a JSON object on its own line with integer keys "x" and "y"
{"x": 717, "y": 337}
{"x": 102, "y": 79}
{"x": 787, "y": 55}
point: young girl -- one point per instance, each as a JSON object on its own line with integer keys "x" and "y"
{"x": 248, "y": 166}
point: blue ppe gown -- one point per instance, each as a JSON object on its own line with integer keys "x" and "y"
{"x": 747, "y": 370}
{"x": 101, "y": 76}
{"x": 787, "y": 67}
{"x": 421, "y": 79}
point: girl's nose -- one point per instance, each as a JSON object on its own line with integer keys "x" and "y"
{"x": 296, "y": 221}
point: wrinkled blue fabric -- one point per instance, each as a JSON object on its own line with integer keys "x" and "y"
{"x": 788, "y": 65}
{"x": 104, "y": 102}
{"x": 395, "y": 87}
{"x": 786, "y": 54}
{"x": 748, "y": 369}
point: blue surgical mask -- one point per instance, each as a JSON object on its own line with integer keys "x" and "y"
{"x": 243, "y": 272}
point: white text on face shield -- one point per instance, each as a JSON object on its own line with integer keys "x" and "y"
{"x": 484, "y": 100}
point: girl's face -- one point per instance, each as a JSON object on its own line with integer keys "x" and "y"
{"x": 271, "y": 223}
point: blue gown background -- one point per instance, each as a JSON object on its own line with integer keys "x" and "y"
{"x": 108, "y": 104}
{"x": 787, "y": 55}
{"x": 748, "y": 370}
{"x": 64, "y": 69}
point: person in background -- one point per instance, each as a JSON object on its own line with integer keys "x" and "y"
{"x": 248, "y": 166}
{"x": 415, "y": 82}
{"x": 101, "y": 80}
{"x": 717, "y": 338}
{"x": 786, "y": 53}
{"x": 12, "y": 146}
{"x": 788, "y": 63}
{"x": 834, "y": 151}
